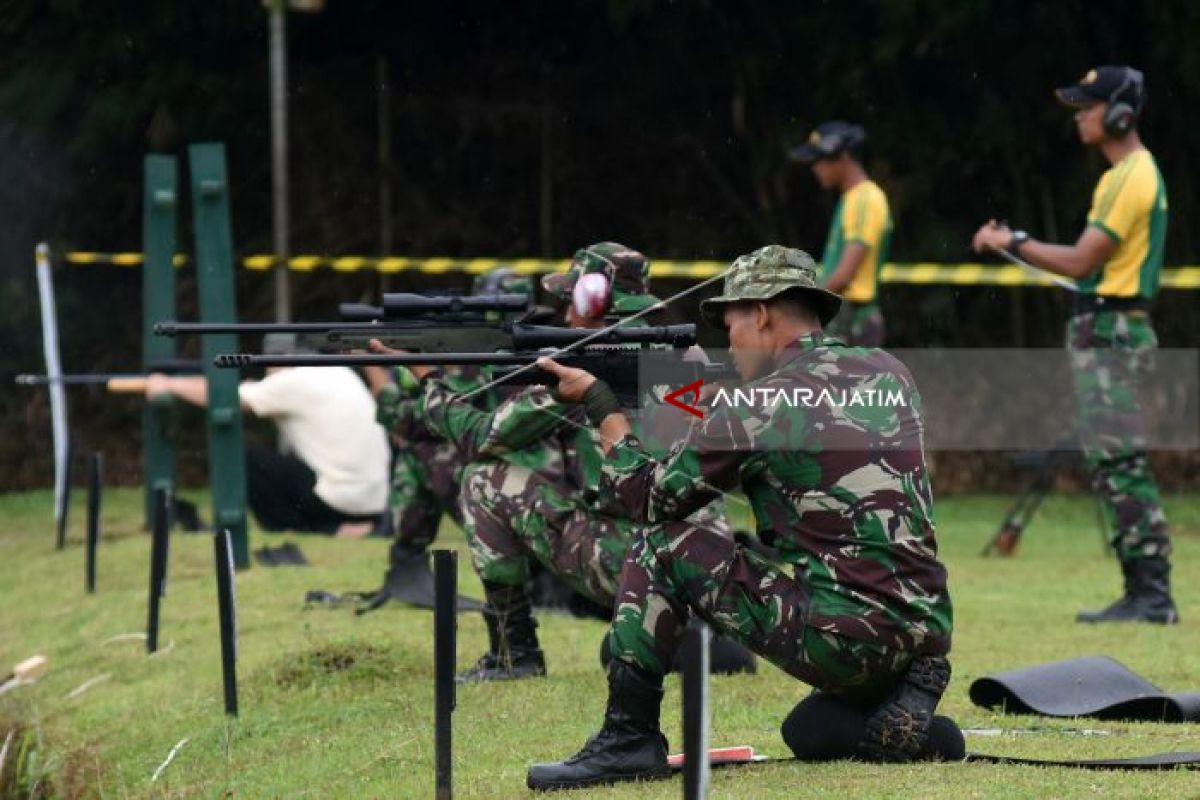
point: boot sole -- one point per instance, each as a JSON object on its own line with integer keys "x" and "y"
{"x": 466, "y": 680}
{"x": 1171, "y": 620}
{"x": 600, "y": 780}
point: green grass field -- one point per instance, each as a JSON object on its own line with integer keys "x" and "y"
{"x": 335, "y": 705}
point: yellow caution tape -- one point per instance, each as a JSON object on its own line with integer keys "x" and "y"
{"x": 969, "y": 274}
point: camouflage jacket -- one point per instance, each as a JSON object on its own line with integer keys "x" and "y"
{"x": 530, "y": 428}
{"x": 841, "y": 491}
{"x": 396, "y": 404}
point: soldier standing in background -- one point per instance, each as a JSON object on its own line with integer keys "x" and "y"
{"x": 1110, "y": 338}
{"x": 860, "y": 234}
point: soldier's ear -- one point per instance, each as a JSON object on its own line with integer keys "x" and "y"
{"x": 762, "y": 316}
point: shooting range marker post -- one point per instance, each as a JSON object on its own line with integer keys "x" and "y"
{"x": 445, "y": 648}
{"x": 227, "y": 613}
{"x": 214, "y": 272}
{"x": 58, "y": 397}
{"x": 159, "y": 207}
{"x": 159, "y": 532}
{"x": 63, "y": 511}
{"x": 697, "y": 642}
{"x": 95, "y": 482}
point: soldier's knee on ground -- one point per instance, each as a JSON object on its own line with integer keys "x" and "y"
{"x": 823, "y": 728}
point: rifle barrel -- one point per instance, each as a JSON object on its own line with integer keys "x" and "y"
{"x": 172, "y": 328}
{"x": 170, "y": 366}
{"x": 235, "y": 360}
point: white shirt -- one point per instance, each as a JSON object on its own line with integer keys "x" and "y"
{"x": 326, "y": 417}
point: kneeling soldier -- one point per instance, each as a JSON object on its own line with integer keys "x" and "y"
{"x": 857, "y": 605}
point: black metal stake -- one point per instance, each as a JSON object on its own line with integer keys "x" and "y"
{"x": 65, "y": 509}
{"x": 227, "y": 611}
{"x": 159, "y": 531}
{"x": 445, "y": 621}
{"x": 95, "y": 479}
{"x": 696, "y": 643}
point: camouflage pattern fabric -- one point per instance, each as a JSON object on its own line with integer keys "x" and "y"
{"x": 679, "y": 570}
{"x": 767, "y": 272}
{"x": 853, "y": 519}
{"x": 427, "y": 470}
{"x": 859, "y": 325}
{"x": 513, "y": 514}
{"x": 1111, "y": 352}
{"x": 526, "y": 494}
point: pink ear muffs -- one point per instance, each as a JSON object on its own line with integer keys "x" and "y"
{"x": 590, "y": 295}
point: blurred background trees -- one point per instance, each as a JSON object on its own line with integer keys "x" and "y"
{"x": 530, "y": 128}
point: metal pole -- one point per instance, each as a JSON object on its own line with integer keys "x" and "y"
{"x": 279, "y": 158}
{"x": 61, "y": 540}
{"x": 160, "y": 529}
{"x": 445, "y": 622}
{"x": 697, "y": 642}
{"x": 58, "y": 397}
{"x": 95, "y": 486}
{"x": 227, "y": 614}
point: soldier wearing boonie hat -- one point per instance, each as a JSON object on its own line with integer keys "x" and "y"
{"x": 767, "y": 273}
{"x": 856, "y": 603}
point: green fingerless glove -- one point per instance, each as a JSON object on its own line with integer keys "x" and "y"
{"x": 599, "y": 401}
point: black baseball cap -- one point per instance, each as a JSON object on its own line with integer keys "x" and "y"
{"x": 1103, "y": 85}
{"x": 828, "y": 140}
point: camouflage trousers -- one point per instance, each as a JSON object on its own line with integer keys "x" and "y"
{"x": 1111, "y": 352}
{"x": 513, "y": 516}
{"x": 425, "y": 484}
{"x": 681, "y": 569}
{"x": 859, "y": 325}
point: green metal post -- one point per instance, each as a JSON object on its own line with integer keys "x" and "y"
{"x": 159, "y": 205}
{"x": 214, "y": 269}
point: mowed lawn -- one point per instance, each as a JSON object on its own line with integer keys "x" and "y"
{"x": 334, "y": 705}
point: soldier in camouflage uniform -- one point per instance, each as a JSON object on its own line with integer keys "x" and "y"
{"x": 856, "y": 604}
{"x": 1110, "y": 337}
{"x": 427, "y": 471}
{"x": 532, "y": 460}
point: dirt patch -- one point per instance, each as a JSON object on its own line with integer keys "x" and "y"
{"x": 327, "y": 661}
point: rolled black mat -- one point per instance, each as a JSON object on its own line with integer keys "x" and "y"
{"x": 1094, "y": 686}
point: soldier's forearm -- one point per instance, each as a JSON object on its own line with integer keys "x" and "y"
{"x": 613, "y": 429}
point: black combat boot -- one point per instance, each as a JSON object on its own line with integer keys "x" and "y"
{"x": 409, "y": 580}
{"x": 513, "y": 650}
{"x": 1147, "y": 595}
{"x": 898, "y": 729}
{"x": 629, "y": 746}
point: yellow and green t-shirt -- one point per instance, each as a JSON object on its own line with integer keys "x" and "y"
{"x": 1130, "y": 205}
{"x": 861, "y": 216}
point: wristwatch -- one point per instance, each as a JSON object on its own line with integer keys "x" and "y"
{"x": 1014, "y": 244}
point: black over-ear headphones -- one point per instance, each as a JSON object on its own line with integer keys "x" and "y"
{"x": 1120, "y": 116}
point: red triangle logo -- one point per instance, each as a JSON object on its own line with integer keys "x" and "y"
{"x": 692, "y": 389}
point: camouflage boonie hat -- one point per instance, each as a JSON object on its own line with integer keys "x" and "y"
{"x": 765, "y": 273}
{"x": 627, "y": 270}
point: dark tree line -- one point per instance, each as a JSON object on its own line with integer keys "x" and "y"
{"x": 530, "y": 128}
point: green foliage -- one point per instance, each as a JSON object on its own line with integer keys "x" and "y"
{"x": 338, "y": 705}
